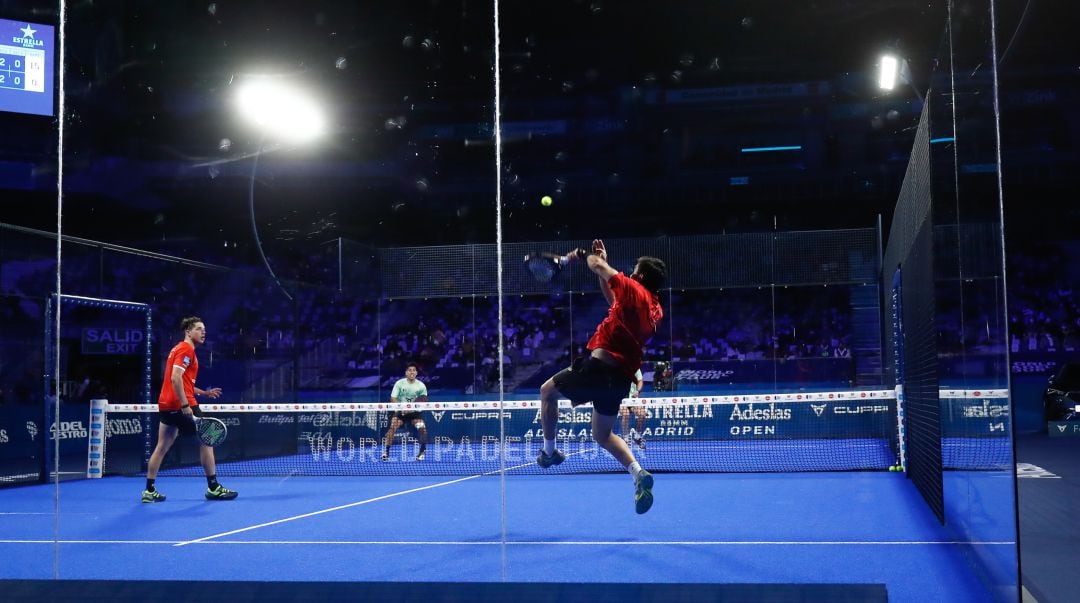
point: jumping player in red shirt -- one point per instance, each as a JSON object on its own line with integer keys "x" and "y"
{"x": 615, "y": 354}
{"x": 177, "y": 409}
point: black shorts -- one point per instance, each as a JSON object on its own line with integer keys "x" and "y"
{"x": 179, "y": 420}
{"x": 408, "y": 417}
{"x": 592, "y": 380}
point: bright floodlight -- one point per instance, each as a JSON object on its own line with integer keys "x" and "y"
{"x": 890, "y": 66}
{"x": 280, "y": 111}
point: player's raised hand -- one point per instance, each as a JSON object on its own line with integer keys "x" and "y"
{"x": 599, "y": 250}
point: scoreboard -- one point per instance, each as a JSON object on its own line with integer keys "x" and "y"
{"x": 26, "y": 67}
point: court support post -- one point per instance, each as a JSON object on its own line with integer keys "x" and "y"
{"x": 46, "y": 453}
{"x": 95, "y": 448}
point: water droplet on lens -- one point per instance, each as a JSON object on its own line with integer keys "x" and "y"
{"x": 224, "y": 145}
{"x": 408, "y": 42}
{"x": 341, "y": 63}
{"x": 212, "y": 8}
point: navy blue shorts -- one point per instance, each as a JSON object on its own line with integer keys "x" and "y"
{"x": 592, "y": 380}
{"x": 179, "y": 420}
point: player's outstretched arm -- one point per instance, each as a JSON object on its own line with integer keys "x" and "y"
{"x": 600, "y": 267}
{"x": 599, "y": 251}
{"x": 597, "y": 262}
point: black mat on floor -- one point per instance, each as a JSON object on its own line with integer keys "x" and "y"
{"x": 1050, "y": 517}
{"x": 241, "y": 592}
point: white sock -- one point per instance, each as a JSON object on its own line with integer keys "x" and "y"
{"x": 634, "y": 469}
{"x": 549, "y": 447}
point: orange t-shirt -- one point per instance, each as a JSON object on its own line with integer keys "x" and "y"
{"x": 183, "y": 356}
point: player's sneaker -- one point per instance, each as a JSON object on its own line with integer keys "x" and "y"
{"x": 640, "y": 441}
{"x": 152, "y": 496}
{"x": 385, "y": 455}
{"x": 420, "y": 456}
{"x": 643, "y": 492}
{"x": 220, "y": 493}
{"x": 549, "y": 460}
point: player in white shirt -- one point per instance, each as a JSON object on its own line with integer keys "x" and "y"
{"x": 409, "y": 389}
{"x": 637, "y": 436}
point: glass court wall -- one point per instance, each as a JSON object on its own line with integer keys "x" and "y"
{"x": 754, "y": 159}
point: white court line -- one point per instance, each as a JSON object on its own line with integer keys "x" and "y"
{"x": 29, "y": 513}
{"x": 330, "y": 510}
{"x": 50, "y": 513}
{"x": 355, "y": 504}
{"x": 88, "y": 541}
{"x": 537, "y": 542}
{"x": 615, "y": 542}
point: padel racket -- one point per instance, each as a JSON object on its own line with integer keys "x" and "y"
{"x": 211, "y": 431}
{"x": 545, "y": 265}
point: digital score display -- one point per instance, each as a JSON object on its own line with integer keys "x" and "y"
{"x": 26, "y": 67}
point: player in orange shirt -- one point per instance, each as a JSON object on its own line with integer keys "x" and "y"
{"x": 177, "y": 409}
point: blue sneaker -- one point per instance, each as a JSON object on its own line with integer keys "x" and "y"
{"x": 550, "y": 460}
{"x": 643, "y": 492}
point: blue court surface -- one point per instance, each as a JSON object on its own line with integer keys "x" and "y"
{"x": 764, "y": 528}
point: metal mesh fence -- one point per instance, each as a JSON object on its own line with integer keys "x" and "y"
{"x": 913, "y": 363}
{"x": 694, "y": 262}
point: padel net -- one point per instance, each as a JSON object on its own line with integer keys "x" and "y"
{"x": 783, "y": 432}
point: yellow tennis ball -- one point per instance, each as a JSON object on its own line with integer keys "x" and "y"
{"x": 546, "y": 201}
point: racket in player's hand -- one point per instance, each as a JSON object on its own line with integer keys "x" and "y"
{"x": 545, "y": 264}
{"x": 211, "y": 431}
